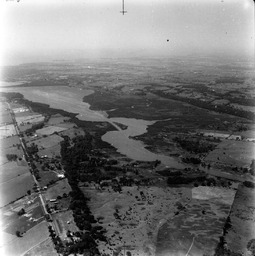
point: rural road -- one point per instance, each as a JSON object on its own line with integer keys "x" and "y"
{"x": 42, "y": 200}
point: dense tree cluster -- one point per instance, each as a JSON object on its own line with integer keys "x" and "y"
{"x": 32, "y": 149}
{"x": 191, "y": 160}
{"x": 11, "y": 157}
{"x": 21, "y": 211}
{"x": 251, "y": 246}
{"x": 227, "y": 109}
{"x": 222, "y": 248}
{"x": 252, "y": 167}
{"x": 191, "y": 176}
{"x": 194, "y": 146}
{"x": 249, "y": 184}
{"x": 74, "y": 154}
{"x": 18, "y": 233}
{"x": 44, "y": 108}
{"x": 177, "y": 180}
{"x": 12, "y": 95}
{"x": 30, "y": 131}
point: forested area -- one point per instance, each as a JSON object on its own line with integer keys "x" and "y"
{"x": 194, "y": 146}
{"x": 227, "y": 109}
{"x": 73, "y": 154}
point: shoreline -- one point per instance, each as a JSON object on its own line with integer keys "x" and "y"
{"x": 124, "y": 144}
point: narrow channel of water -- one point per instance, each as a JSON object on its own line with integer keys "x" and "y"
{"x": 70, "y": 100}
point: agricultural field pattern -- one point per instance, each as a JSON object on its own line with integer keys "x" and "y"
{"x": 128, "y": 157}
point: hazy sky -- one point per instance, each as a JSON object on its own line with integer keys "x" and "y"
{"x": 83, "y": 28}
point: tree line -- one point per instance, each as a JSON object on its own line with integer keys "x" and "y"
{"x": 73, "y": 154}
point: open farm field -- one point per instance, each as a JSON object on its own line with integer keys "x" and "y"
{"x": 12, "y": 150}
{"x": 45, "y": 248}
{"x": 33, "y": 216}
{"x": 5, "y": 239}
{"x": 50, "y": 152}
{"x": 232, "y": 153}
{"x": 242, "y": 222}
{"x": 9, "y": 142}
{"x": 58, "y": 189}
{"x": 73, "y": 132}
{"x": 5, "y": 117}
{"x": 193, "y": 225}
{"x": 9, "y": 213}
{"x": 23, "y": 127}
{"x": 19, "y": 245}
{"x": 12, "y": 222}
{"x": 46, "y": 177}
{"x": 47, "y": 142}
{"x": 48, "y": 130}
{"x": 3, "y": 159}
{"x": 250, "y": 133}
{"x": 14, "y": 83}
{"x": 57, "y": 119}
{"x": 10, "y": 170}
{"x": 220, "y": 102}
{"x": 15, "y": 188}
{"x": 30, "y": 138}
{"x": 15, "y": 105}
{"x": 34, "y": 118}
{"x": 3, "y": 104}
{"x": 246, "y": 108}
{"x": 66, "y": 125}
{"x": 219, "y": 194}
{"x": 7, "y": 131}
{"x": 23, "y": 114}
{"x": 133, "y": 218}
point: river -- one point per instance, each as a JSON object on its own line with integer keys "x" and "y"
{"x": 70, "y": 99}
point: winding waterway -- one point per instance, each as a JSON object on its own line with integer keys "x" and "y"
{"x": 70, "y": 99}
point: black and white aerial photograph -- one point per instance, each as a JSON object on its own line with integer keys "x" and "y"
{"x": 127, "y": 128}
